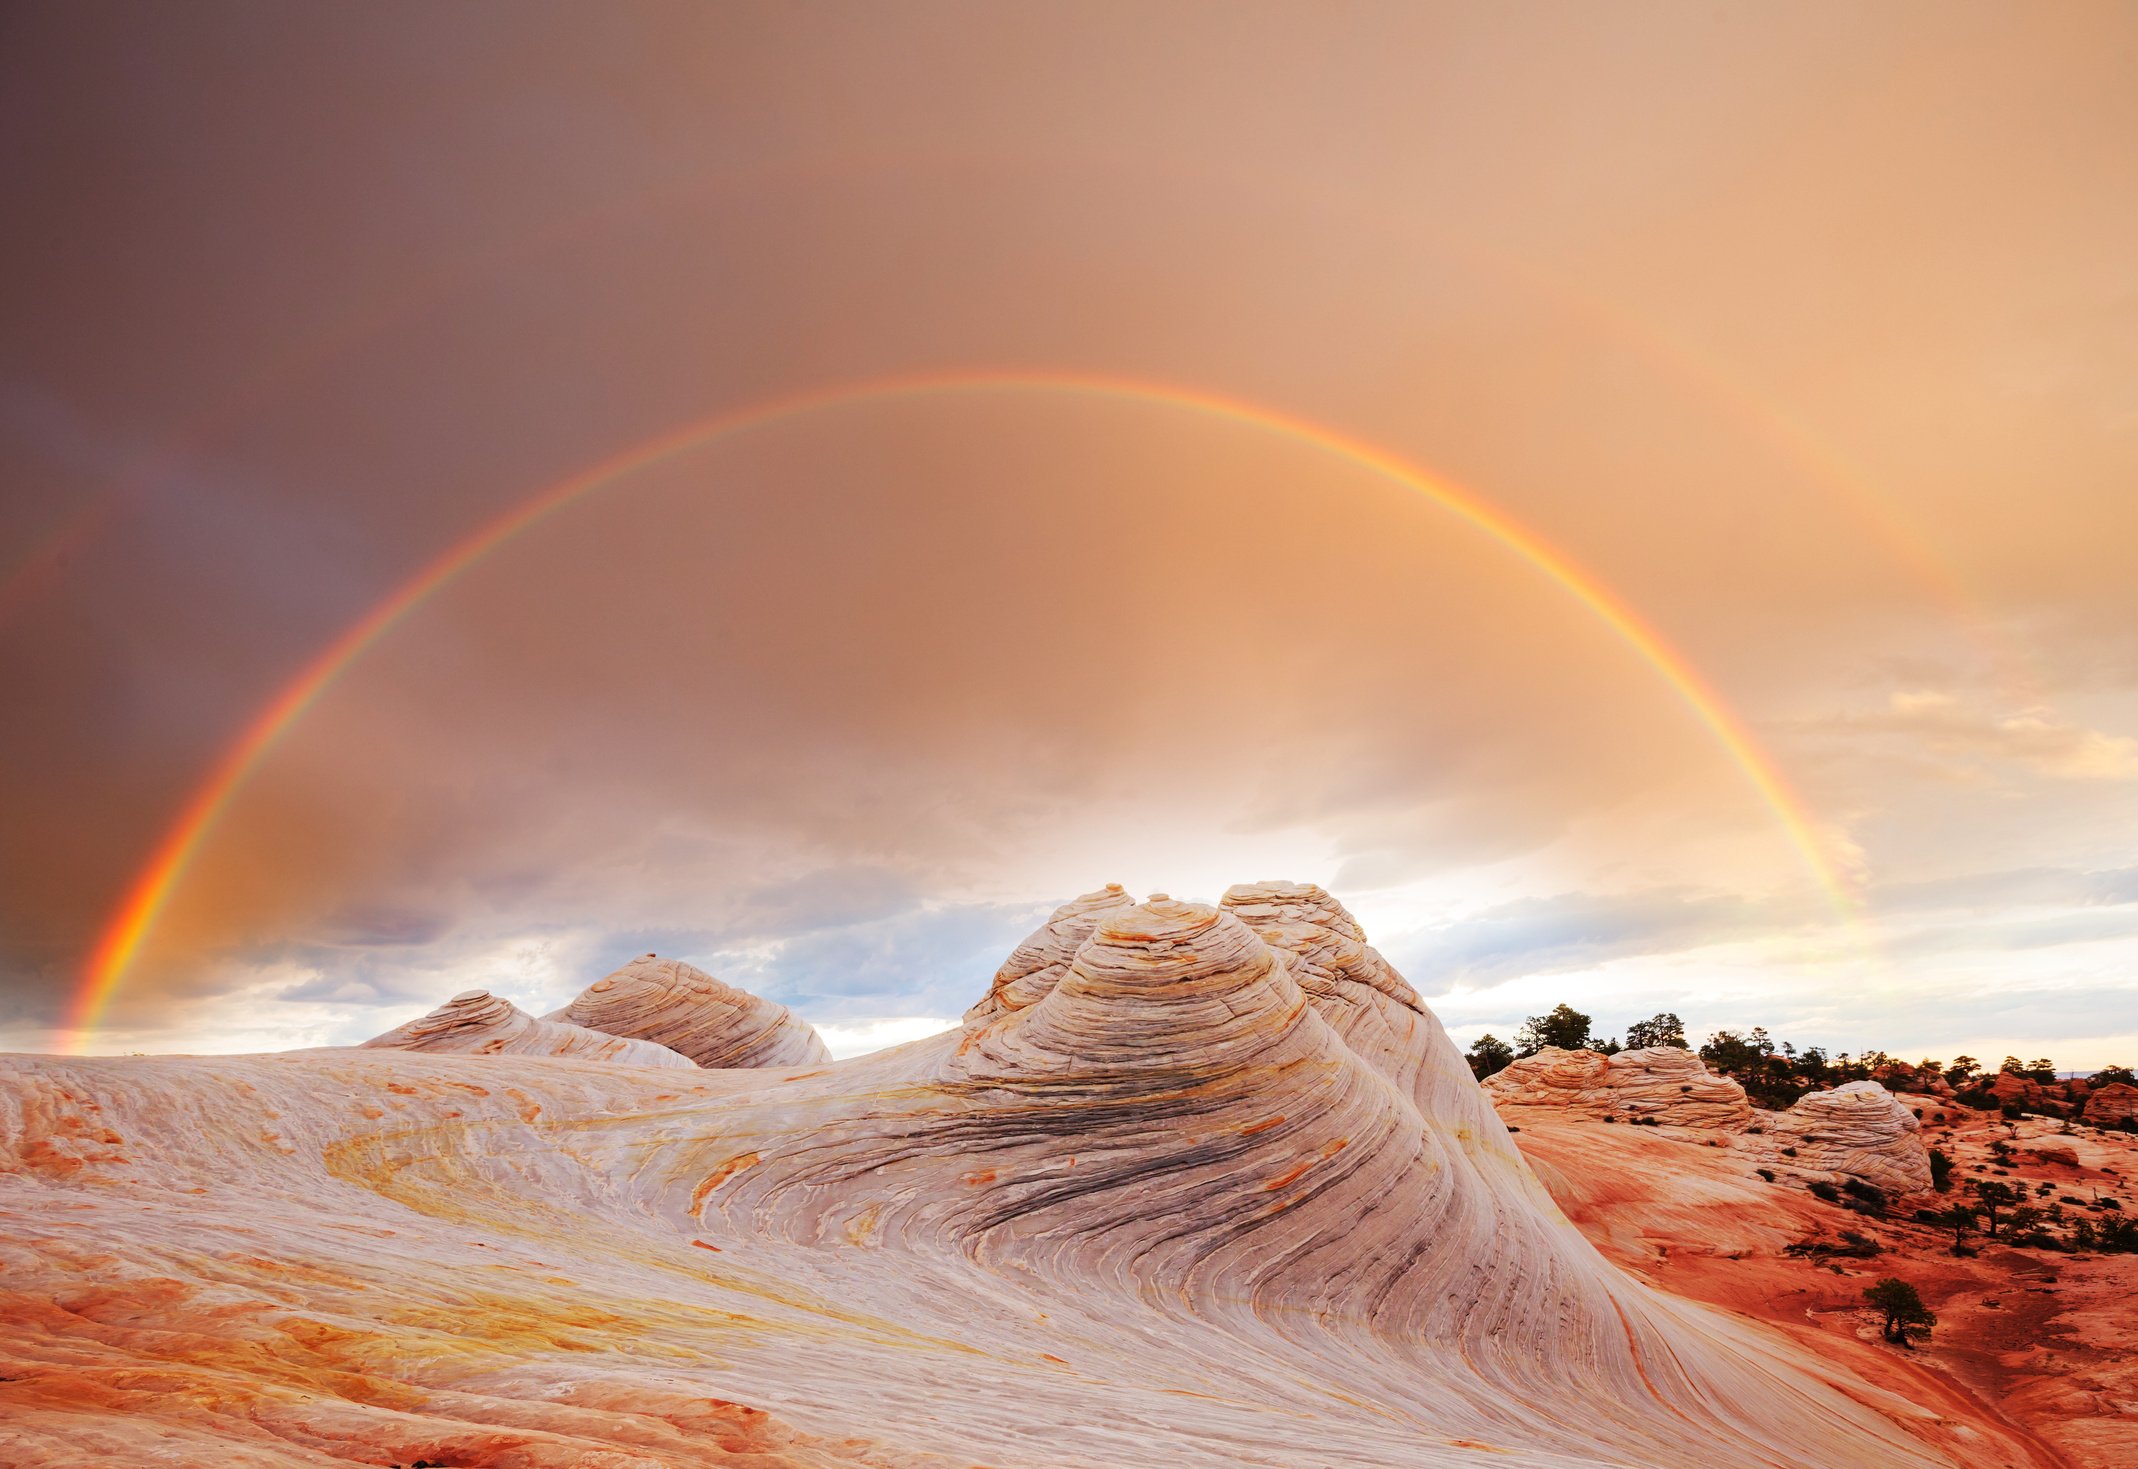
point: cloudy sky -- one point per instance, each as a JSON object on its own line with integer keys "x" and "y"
{"x": 1808, "y": 333}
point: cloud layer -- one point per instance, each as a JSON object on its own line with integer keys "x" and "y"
{"x": 1807, "y": 333}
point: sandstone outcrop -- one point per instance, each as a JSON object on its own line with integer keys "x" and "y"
{"x": 2112, "y": 1105}
{"x": 479, "y": 1023}
{"x": 676, "y": 1005}
{"x": 1035, "y": 965}
{"x": 2047, "y": 1151}
{"x": 1669, "y": 1085}
{"x": 1857, "y": 1130}
{"x": 1221, "y": 1193}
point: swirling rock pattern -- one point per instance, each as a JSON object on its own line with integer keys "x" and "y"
{"x": 1672, "y": 1086}
{"x": 1222, "y": 1195}
{"x": 1857, "y": 1130}
{"x": 679, "y": 1006}
{"x": 479, "y": 1023}
{"x": 1035, "y": 965}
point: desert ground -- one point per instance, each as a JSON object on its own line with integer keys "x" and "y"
{"x": 1192, "y": 1185}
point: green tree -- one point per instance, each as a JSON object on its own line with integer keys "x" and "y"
{"x": 2108, "y": 1074}
{"x": 1962, "y": 1068}
{"x": 1993, "y": 1196}
{"x": 1940, "y": 1171}
{"x": 1665, "y": 1029}
{"x": 1488, "y": 1054}
{"x": 1960, "y": 1218}
{"x": 2012, "y": 1066}
{"x": 1903, "y": 1307}
{"x": 1565, "y": 1027}
{"x": 2043, "y": 1071}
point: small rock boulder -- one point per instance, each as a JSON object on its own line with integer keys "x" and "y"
{"x": 2112, "y": 1105}
{"x": 1857, "y": 1130}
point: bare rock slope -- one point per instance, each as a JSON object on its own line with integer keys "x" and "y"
{"x": 676, "y": 1005}
{"x": 482, "y": 1024}
{"x": 1215, "y": 1190}
{"x": 1663, "y": 1083}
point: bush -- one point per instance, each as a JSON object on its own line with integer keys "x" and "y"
{"x": 1664, "y": 1030}
{"x": 1488, "y": 1055}
{"x": 1824, "y": 1190}
{"x": 1903, "y": 1309}
{"x": 1766, "y": 1173}
{"x": 1869, "y": 1193}
{"x": 1940, "y": 1171}
{"x": 1565, "y": 1027}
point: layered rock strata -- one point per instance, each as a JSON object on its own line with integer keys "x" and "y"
{"x": 1664, "y": 1084}
{"x": 676, "y": 1005}
{"x": 479, "y": 1023}
{"x": 1223, "y": 1194}
{"x": 1857, "y": 1130}
{"x": 1035, "y": 965}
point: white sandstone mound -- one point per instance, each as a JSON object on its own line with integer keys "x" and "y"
{"x": 1857, "y": 1130}
{"x": 1670, "y": 1085}
{"x": 1035, "y": 965}
{"x": 1220, "y": 1192}
{"x": 685, "y": 1009}
{"x": 479, "y": 1023}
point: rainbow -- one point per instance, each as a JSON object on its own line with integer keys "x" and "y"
{"x": 128, "y": 929}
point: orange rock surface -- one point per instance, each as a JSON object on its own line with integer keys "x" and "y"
{"x": 1218, "y": 1190}
{"x": 2035, "y": 1350}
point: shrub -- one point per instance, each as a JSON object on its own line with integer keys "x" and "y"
{"x": 1663, "y": 1030}
{"x": 1940, "y": 1171}
{"x": 1903, "y": 1309}
{"x": 1488, "y": 1055}
{"x": 1766, "y": 1173}
{"x": 1867, "y": 1193}
{"x": 1825, "y": 1190}
{"x": 1565, "y": 1027}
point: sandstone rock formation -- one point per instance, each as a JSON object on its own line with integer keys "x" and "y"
{"x": 1672, "y": 1086}
{"x": 1857, "y": 1130}
{"x": 479, "y": 1023}
{"x": 685, "y": 1009}
{"x": 1035, "y": 965}
{"x": 2047, "y": 1152}
{"x": 2112, "y": 1104}
{"x": 1220, "y": 1193}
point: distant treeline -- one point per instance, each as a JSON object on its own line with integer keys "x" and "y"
{"x": 1775, "y": 1073}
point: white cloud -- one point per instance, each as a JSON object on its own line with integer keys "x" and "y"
{"x": 2033, "y": 738}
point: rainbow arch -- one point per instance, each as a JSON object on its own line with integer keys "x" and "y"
{"x": 123, "y": 936}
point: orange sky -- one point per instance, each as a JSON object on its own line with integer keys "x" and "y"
{"x": 1811, "y": 332}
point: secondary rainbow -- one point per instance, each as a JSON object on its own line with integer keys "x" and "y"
{"x": 129, "y": 927}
